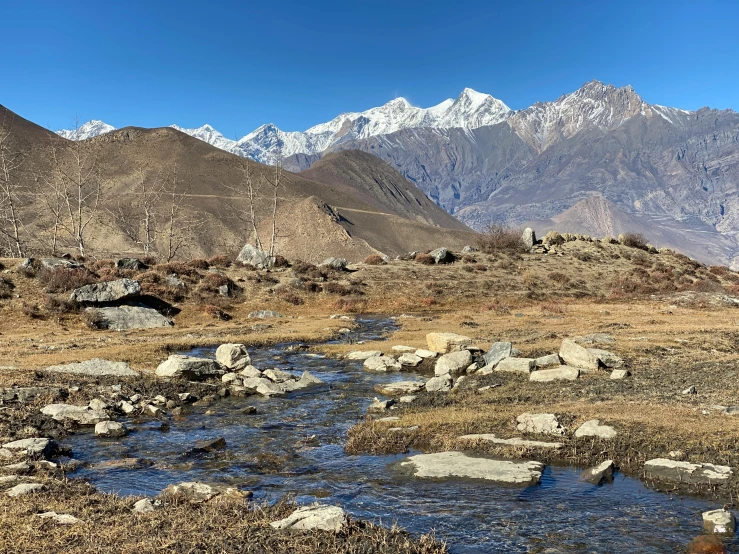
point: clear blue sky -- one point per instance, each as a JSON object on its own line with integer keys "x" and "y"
{"x": 237, "y": 65}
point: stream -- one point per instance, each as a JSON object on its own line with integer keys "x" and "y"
{"x": 294, "y": 445}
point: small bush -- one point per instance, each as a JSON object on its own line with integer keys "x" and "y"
{"x": 374, "y": 259}
{"x": 336, "y": 288}
{"x": 220, "y": 261}
{"x": 57, "y": 306}
{"x": 310, "y": 286}
{"x": 281, "y": 261}
{"x": 215, "y": 312}
{"x": 216, "y": 280}
{"x": 291, "y": 298}
{"x": 552, "y": 308}
{"x": 93, "y": 319}
{"x": 199, "y": 263}
{"x": 705, "y": 285}
{"x": 558, "y": 277}
{"x": 64, "y": 280}
{"x": 427, "y": 301}
{"x": 498, "y": 307}
{"x": 424, "y": 259}
{"x": 350, "y": 304}
{"x": 31, "y": 310}
{"x": 634, "y": 240}
{"x": 6, "y": 287}
{"x": 584, "y": 256}
{"x": 179, "y": 268}
{"x": 481, "y": 267}
{"x": 498, "y": 238}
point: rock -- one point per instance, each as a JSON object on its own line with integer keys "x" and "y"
{"x": 208, "y": 445}
{"x": 325, "y": 518}
{"x": 98, "y": 404}
{"x": 269, "y": 388}
{"x": 514, "y": 365}
{"x": 548, "y": 361}
{"x": 593, "y": 428}
{"x": 251, "y": 255}
{"x": 249, "y": 372}
{"x": 130, "y": 263}
{"x": 307, "y": 379}
{"x": 8, "y": 480}
{"x": 442, "y": 256}
{"x": 458, "y": 464}
{"x": 620, "y": 373}
{"x": 575, "y": 355}
{"x": 277, "y": 375}
{"x": 594, "y": 338}
{"x": 152, "y": 410}
{"x": 453, "y": 363}
{"x": 24, "y": 394}
{"x": 663, "y": 469}
{"x": 410, "y": 360}
{"x": 192, "y": 491}
{"x": 41, "y": 447}
{"x": 399, "y": 388}
{"x": 407, "y": 399}
{"x": 528, "y": 238}
{"x": 426, "y": 354}
{"x": 109, "y": 291}
{"x": 249, "y": 410}
{"x": 233, "y": 356}
{"x": 602, "y": 473}
{"x": 469, "y": 249}
{"x": 719, "y": 522}
{"x": 190, "y": 368}
{"x": 171, "y": 280}
{"x": 232, "y": 378}
{"x": 20, "y": 468}
{"x": 126, "y": 407}
{"x": 458, "y": 382}
{"x": 81, "y": 415}
{"x": 264, "y": 314}
{"x": 497, "y": 352}
{"x": 401, "y": 348}
{"x": 121, "y": 318}
{"x": 562, "y": 373}
{"x": 362, "y": 354}
{"x": 691, "y": 390}
{"x": 516, "y": 441}
{"x": 144, "y": 506}
{"x": 110, "y": 429}
{"x": 24, "y": 488}
{"x": 382, "y": 364}
{"x": 442, "y": 383}
{"x": 706, "y": 544}
{"x": 339, "y": 264}
{"x": 444, "y": 343}
{"x": 59, "y": 263}
{"x": 545, "y": 424}
{"x": 380, "y": 405}
{"x": 95, "y": 367}
{"x": 61, "y": 519}
{"x": 607, "y": 359}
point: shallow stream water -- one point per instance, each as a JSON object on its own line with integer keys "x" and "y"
{"x": 294, "y": 445}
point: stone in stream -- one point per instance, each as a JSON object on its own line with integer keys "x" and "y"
{"x": 548, "y": 361}
{"x": 61, "y": 519}
{"x": 719, "y": 522}
{"x": 380, "y": 405}
{"x": 192, "y": 491}
{"x": 208, "y": 445}
{"x": 250, "y": 371}
{"x": 545, "y": 424}
{"x": 458, "y": 464}
{"x": 607, "y": 359}
{"x": 399, "y": 388}
{"x": 618, "y": 374}
{"x": 443, "y": 343}
{"x": 362, "y": 354}
{"x": 42, "y": 447}
{"x": 575, "y": 355}
{"x": 663, "y": 469}
{"x": 498, "y": 351}
{"x": 233, "y": 356}
{"x": 249, "y": 410}
{"x": 190, "y": 368}
{"x": 110, "y": 429}
{"x": 562, "y": 373}
{"x": 382, "y": 364}
{"x": 602, "y": 473}
{"x": 442, "y": 383}
{"x": 453, "y": 363}
{"x": 325, "y": 518}
{"x": 109, "y": 291}
{"x": 515, "y": 365}
{"x": 410, "y": 360}
{"x": 515, "y": 441}
{"x": 96, "y": 368}
{"x": 81, "y": 415}
{"x": 706, "y": 544}
{"x": 24, "y": 488}
{"x": 593, "y": 428}
{"x": 121, "y": 318}
{"x": 268, "y": 388}
{"x": 426, "y": 354}
{"x": 277, "y": 375}
{"x": 122, "y": 463}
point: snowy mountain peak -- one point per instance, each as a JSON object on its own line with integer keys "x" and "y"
{"x": 88, "y": 130}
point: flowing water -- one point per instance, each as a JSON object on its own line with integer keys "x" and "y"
{"x": 294, "y": 445}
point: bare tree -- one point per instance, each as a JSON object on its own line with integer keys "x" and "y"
{"x": 275, "y": 183}
{"x": 174, "y": 235}
{"x": 11, "y": 190}
{"x": 247, "y": 190}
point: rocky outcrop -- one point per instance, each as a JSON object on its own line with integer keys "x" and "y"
{"x": 96, "y": 368}
{"x": 458, "y": 464}
{"x": 562, "y": 373}
{"x": 121, "y": 318}
{"x": 190, "y": 368}
{"x": 663, "y": 469}
{"x": 251, "y": 255}
{"x": 110, "y": 291}
{"x": 453, "y": 363}
{"x": 308, "y": 518}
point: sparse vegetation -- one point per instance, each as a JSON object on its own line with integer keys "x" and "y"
{"x": 634, "y": 240}
{"x": 498, "y": 238}
{"x": 374, "y": 259}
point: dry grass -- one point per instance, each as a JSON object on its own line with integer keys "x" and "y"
{"x": 498, "y": 238}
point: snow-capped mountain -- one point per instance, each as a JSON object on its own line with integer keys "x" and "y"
{"x": 90, "y": 129}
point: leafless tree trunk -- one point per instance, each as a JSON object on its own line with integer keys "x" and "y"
{"x": 10, "y": 191}
{"x": 175, "y": 238}
{"x": 275, "y": 183}
{"x": 248, "y": 191}
{"x": 136, "y": 215}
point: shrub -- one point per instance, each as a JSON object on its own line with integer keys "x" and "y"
{"x": 220, "y": 261}
{"x": 350, "y": 304}
{"x": 498, "y": 238}
{"x": 634, "y": 240}
{"x": 93, "y": 319}
{"x": 63, "y": 280}
{"x": 481, "y": 267}
{"x": 374, "y": 259}
{"x": 584, "y": 256}
{"x": 552, "y": 308}
{"x": 720, "y": 270}
{"x": 281, "y": 261}
{"x": 336, "y": 288}
{"x": 216, "y": 280}
{"x": 100, "y": 264}
{"x": 31, "y": 310}
{"x": 468, "y": 268}
{"x": 704, "y": 285}
{"x": 57, "y": 306}
{"x": 215, "y": 312}
{"x": 179, "y": 268}
{"x": 291, "y": 298}
{"x": 427, "y": 301}
{"x": 6, "y": 286}
{"x": 558, "y": 277}
{"x": 199, "y": 263}
{"x": 424, "y": 259}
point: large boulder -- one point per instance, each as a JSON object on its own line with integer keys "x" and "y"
{"x": 190, "y": 368}
{"x": 382, "y": 364}
{"x": 562, "y": 373}
{"x": 251, "y": 255}
{"x": 719, "y": 522}
{"x": 110, "y": 429}
{"x": 442, "y": 383}
{"x": 528, "y": 238}
{"x": 109, "y": 291}
{"x": 498, "y": 351}
{"x": 60, "y": 263}
{"x": 663, "y": 469}
{"x": 42, "y": 447}
{"x": 233, "y": 356}
{"x": 444, "y": 343}
{"x": 325, "y": 518}
{"x": 453, "y": 363}
{"x": 130, "y": 263}
{"x": 593, "y": 428}
{"x": 458, "y": 464}
{"x": 442, "y": 256}
{"x": 602, "y": 473}
{"x": 121, "y": 318}
{"x": 575, "y": 355}
{"x": 607, "y": 358}
{"x": 545, "y": 424}
{"x": 81, "y": 415}
{"x": 339, "y": 264}
{"x": 96, "y": 368}
{"x": 516, "y": 365}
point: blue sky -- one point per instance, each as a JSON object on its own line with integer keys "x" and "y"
{"x": 237, "y": 65}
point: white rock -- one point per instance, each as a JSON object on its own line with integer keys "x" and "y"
{"x": 458, "y": 464}
{"x": 144, "y": 506}
{"x": 446, "y": 342}
{"x": 24, "y": 488}
{"x": 110, "y": 429}
{"x": 410, "y": 360}
{"x": 425, "y": 354}
{"x": 98, "y": 404}
{"x": 545, "y": 424}
{"x": 593, "y": 428}
{"x": 381, "y": 364}
{"x": 250, "y": 371}
{"x": 453, "y": 363}
{"x": 233, "y": 356}
{"x": 575, "y": 355}
{"x": 548, "y": 361}
{"x": 325, "y": 518}
{"x": 719, "y": 522}
{"x": 562, "y": 373}
{"x": 401, "y": 348}
{"x": 686, "y": 472}
{"x": 33, "y": 446}
{"x": 442, "y": 383}
{"x": 620, "y": 374}
{"x": 61, "y": 519}
{"x": 189, "y": 367}
{"x": 362, "y": 354}
{"x": 599, "y": 474}
{"x": 194, "y": 491}
{"x": 516, "y": 365}
{"x": 82, "y": 415}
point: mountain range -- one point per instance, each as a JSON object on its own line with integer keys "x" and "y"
{"x": 599, "y": 152}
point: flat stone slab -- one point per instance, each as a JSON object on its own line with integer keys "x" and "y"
{"x": 121, "y": 318}
{"x": 109, "y": 291}
{"x": 326, "y": 518}
{"x": 61, "y": 519}
{"x": 95, "y": 367}
{"x": 593, "y": 428}
{"x": 551, "y": 360}
{"x": 562, "y": 373}
{"x": 515, "y": 441}
{"x": 498, "y": 351}
{"x": 190, "y": 367}
{"x": 578, "y": 356}
{"x": 362, "y": 354}
{"x": 399, "y": 388}
{"x": 663, "y": 469}
{"x": 457, "y": 464}
{"x": 81, "y": 415}
{"x": 34, "y": 446}
{"x": 444, "y": 343}
{"x": 24, "y": 488}
{"x": 516, "y": 365}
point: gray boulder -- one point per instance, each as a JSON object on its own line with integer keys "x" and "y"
{"x": 399, "y": 388}
{"x": 144, "y": 506}
{"x": 575, "y": 355}
{"x": 382, "y": 364}
{"x": 362, "y": 354}
{"x": 42, "y": 447}
{"x": 24, "y": 488}
{"x": 250, "y": 255}
{"x": 497, "y": 352}
{"x": 620, "y": 373}
{"x": 192, "y": 491}
{"x": 60, "y": 263}
{"x": 528, "y": 237}
{"x": 602, "y": 473}
{"x": 458, "y": 464}
{"x": 593, "y": 428}
{"x": 453, "y": 363}
{"x": 442, "y": 383}
{"x": 339, "y": 264}
{"x": 719, "y": 522}
{"x": 233, "y": 356}
{"x": 81, "y": 415}
{"x": 190, "y": 368}
{"x": 409, "y": 359}
{"x": 548, "y": 361}
{"x": 444, "y": 343}
{"x": 110, "y": 291}
{"x": 607, "y": 359}
{"x": 110, "y": 429}
{"x": 545, "y": 424}
{"x": 562, "y": 373}
{"x": 663, "y": 469}
{"x": 325, "y": 518}
{"x": 95, "y": 367}
{"x": 130, "y": 263}
{"x": 516, "y": 365}
{"x": 121, "y": 318}
{"x": 442, "y": 256}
